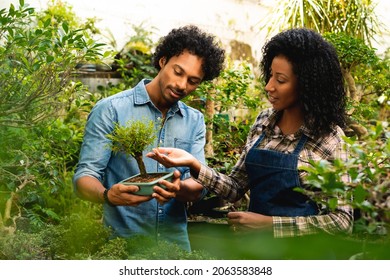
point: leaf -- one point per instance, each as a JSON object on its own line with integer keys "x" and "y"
{"x": 65, "y": 26}
{"x": 11, "y": 9}
{"x": 47, "y": 23}
{"x": 49, "y": 58}
{"x": 359, "y": 194}
{"x": 332, "y": 203}
{"x": 10, "y": 31}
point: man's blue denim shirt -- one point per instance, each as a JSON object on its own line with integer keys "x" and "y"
{"x": 183, "y": 128}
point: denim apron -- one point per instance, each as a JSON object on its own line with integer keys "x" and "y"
{"x": 272, "y": 178}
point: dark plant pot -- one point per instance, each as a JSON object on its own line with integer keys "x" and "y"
{"x": 146, "y": 184}
{"x": 208, "y": 206}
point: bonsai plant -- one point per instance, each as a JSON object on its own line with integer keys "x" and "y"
{"x": 132, "y": 139}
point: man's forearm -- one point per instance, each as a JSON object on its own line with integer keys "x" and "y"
{"x": 90, "y": 189}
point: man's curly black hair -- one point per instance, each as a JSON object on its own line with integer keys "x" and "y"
{"x": 197, "y": 42}
{"x": 320, "y": 80}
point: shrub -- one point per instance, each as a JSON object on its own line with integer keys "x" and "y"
{"x": 369, "y": 191}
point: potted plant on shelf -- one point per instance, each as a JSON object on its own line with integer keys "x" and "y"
{"x": 132, "y": 139}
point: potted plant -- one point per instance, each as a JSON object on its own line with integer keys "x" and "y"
{"x": 132, "y": 139}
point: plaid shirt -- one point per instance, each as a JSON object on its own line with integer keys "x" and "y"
{"x": 235, "y": 185}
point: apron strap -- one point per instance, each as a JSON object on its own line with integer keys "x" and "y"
{"x": 300, "y": 145}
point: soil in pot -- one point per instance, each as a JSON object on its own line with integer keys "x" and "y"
{"x": 144, "y": 179}
{"x": 146, "y": 183}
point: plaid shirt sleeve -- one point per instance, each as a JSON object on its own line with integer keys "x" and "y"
{"x": 233, "y": 186}
{"x": 339, "y": 221}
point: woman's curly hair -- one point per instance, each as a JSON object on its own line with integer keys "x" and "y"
{"x": 320, "y": 80}
{"x": 197, "y": 42}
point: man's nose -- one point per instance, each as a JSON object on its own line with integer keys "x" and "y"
{"x": 181, "y": 83}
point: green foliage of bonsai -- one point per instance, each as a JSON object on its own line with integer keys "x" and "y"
{"x": 132, "y": 139}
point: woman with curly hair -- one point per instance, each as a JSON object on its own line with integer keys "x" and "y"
{"x": 184, "y": 58}
{"x": 304, "y": 84}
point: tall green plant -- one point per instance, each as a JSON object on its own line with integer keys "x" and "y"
{"x": 373, "y": 80}
{"x": 356, "y": 18}
{"x": 352, "y": 52}
{"x": 367, "y": 77}
{"x": 37, "y": 61}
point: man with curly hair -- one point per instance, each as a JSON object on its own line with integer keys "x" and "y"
{"x": 304, "y": 84}
{"x": 184, "y": 58}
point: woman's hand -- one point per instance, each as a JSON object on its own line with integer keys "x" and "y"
{"x": 249, "y": 220}
{"x": 170, "y": 157}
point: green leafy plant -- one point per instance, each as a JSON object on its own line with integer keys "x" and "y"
{"x": 132, "y": 139}
{"x": 356, "y": 18}
{"x": 36, "y": 89}
{"x": 373, "y": 80}
{"x": 134, "y": 61}
{"x": 81, "y": 236}
{"x": 352, "y": 52}
{"x": 37, "y": 61}
{"x": 368, "y": 191}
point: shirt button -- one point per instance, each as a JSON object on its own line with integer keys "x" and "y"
{"x": 160, "y": 165}
{"x": 160, "y": 211}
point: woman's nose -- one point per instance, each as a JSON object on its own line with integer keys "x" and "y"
{"x": 269, "y": 86}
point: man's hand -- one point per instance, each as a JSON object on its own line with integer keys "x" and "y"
{"x": 123, "y": 195}
{"x": 163, "y": 196}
